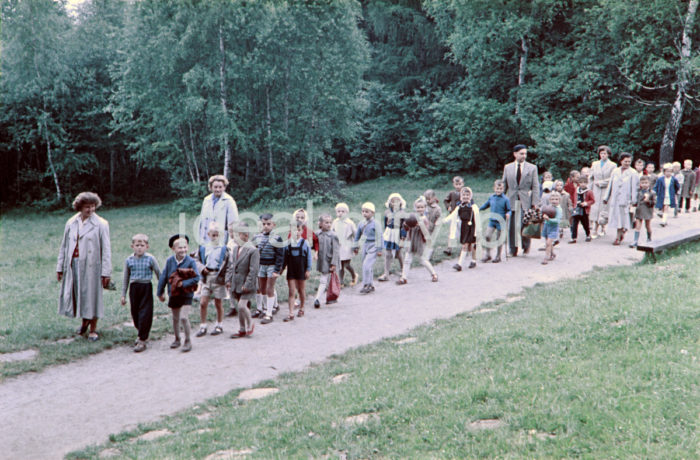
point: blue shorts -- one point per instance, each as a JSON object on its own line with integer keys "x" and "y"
{"x": 550, "y": 232}
{"x": 266, "y": 271}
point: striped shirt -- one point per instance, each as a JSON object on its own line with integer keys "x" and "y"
{"x": 139, "y": 270}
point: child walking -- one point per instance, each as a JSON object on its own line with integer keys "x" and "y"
{"x": 550, "y": 229}
{"x": 644, "y": 211}
{"x": 417, "y": 227}
{"x": 500, "y": 205}
{"x": 180, "y": 274}
{"x": 433, "y": 212}
{"x": 688, "y": 185}
{"x": 450, "y": 204}
{"x": 566, "y": 202}
{"x": 584, "y": 199}
{"x": 328, "y": 256}
{"x": 345, "y": 228}
{"x": 212, "y": 260}
{"x": 139, "y": 268}
{"x": 242, "y": 277}
{"x": 467, "y": 216}
{"x": 297, "y": 261}
{"x": 271, "y": 249}
{"x": 371, "y": 248}
{"x": 394, "y": 233}
{"x": 666, "y": 189}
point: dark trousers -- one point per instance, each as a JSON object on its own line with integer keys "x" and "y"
{"x": 141, "y": 299}
{"x": 584, "y": 221}
{"x": 687, "y": 204}
{"x": 516, "y": 217}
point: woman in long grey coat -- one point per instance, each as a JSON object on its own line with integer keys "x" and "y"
{"x": 600, "y": 176}
{"x": 621, "y": 193}
{"x": 84, "y": 264}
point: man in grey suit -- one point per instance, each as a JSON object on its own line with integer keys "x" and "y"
{"x": 523, "y": 190}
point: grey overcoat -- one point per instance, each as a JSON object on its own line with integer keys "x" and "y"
{"x": 242, "y": 269}
{"x": 95, "y": 261}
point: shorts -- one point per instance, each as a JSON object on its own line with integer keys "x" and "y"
{"x": 179, "y": 301}
{"x": 550, "y": 231}
{"x": 211, "y": 288}
{"x": 266, "y": 271}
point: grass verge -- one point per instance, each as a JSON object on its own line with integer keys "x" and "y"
{"x": 605, "y": 366}
{"x": 28, "y": 319}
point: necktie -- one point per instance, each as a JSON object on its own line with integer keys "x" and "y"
{"x": 519, "y": 174}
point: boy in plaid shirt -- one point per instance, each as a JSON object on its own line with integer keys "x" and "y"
{"x": 138, "y": 271}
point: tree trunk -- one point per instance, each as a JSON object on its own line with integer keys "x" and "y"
{"x": 668, "y": 141}
{"x": 521, "y": 72}
{"x": 194, "y": 156}
{"x": 222, "y": 95}
{"x": 50, "y": 158}
{"x": 187, "y": 157}
{"x": 112, "y": 161}
{"x": 268, "y": 125}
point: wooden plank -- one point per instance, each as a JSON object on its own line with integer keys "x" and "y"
{"x": 670, "y": 241}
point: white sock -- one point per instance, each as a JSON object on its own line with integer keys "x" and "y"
{"x": 271, "y": 302}
{"x": 259, "y": 301}
{"x": 462, "y": 254}
{"x": 203, "y": 325}
{"x": 323, "y": 283}
{"x": 275, "y": 302}
{"x": 663, "y": 218}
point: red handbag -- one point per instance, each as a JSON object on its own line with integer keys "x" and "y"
{"x": 333, "y": 291}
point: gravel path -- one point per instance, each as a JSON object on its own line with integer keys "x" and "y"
{"x": 64, "y": 408}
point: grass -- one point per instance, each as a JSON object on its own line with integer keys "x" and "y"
{"x": 30, "y": 240}
{"x": 605, "y": 366}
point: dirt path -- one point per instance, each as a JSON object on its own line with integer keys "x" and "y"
{"x": 64, "y": 408}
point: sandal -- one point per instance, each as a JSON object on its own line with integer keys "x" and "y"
{"x": 300, "y": 313}
{"x": 217, "y": 330}
{"x": 434, "y": 279}
{"x": 544, "y": 262}
{"x": 93, "y": 338}
{"x": 289, "y": 318}
{"x": 383, "y": 278}
{"x": 402, "y": 281}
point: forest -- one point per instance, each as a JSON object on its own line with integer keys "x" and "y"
{"x": 144, "y": 100}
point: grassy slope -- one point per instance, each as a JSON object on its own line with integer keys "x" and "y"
{"x": 30, "y": 243}
{"x": 602, "y": 367}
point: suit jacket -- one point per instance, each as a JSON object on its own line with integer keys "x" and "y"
{"x": 242, "y": 269}
{"x": 528, "y": 191}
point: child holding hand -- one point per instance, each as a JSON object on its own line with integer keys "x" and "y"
{"x": 328, "y": 256}
{"x": 550, "y": 229}
{"x": 417, "y": 229}
{"x": 466, "y": 214}
{"x": 345, "y": 228}
{"x": 139, "y": 268}
{"x": 297, "y": 261}
{"x": 180, "y": 274}
{"x": 371, "y": 248}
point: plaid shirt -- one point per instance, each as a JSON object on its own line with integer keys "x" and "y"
{"x": 139, "y": 270}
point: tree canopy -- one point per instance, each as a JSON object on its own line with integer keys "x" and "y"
{"x": 138, "y": 100}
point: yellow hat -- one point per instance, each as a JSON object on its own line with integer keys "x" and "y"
{"x": 342, "y": 206}
{"x": 368, "y": 205}
{"x": 395, "y": 195}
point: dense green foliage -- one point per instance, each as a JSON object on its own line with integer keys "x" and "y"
{"x": 147, "y": 99}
